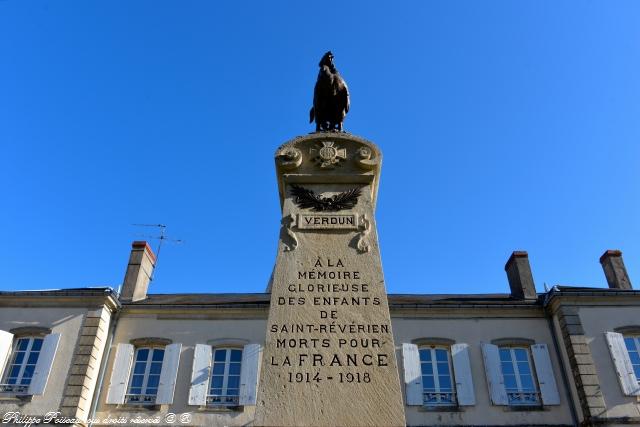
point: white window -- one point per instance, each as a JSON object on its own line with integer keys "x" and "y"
{"x": 225, "y": 376}
{"x": 27, "y": 362}
{"x": 224, "y": 388}
{"x": 22, "y": 364}
{"x": 145, "y": 377}
{"x": 437, "y": 384}
{"x": 519, "y": 381}
{"x": 437, "y": 375}
{"x": 632, "y": 342}
{"x": 520, "y": 374}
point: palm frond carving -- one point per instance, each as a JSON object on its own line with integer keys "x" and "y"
{"x": 307, "y": 199}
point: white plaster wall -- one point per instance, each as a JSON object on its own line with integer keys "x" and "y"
{"x": 65, "y": 321}
{"x": 473, "y": 331}
{"x": 189, "y": 332}
{"x": 595, "y": 322}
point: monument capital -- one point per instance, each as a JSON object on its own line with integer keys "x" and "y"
{"x": 328, "y": 158}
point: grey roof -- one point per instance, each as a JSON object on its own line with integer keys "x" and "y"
{"x": 203, "y": 299}
{"x": 263, "y": 299}
{"x": 89, "y": 291}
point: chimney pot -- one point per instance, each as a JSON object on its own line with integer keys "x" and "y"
{"x": 520, "y": 277}
{"x": 614, "y": 270}
{"x": 139, "y": 271}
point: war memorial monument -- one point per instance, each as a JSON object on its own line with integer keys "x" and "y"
{"x": 324, "y": 345}
{"x": 329, "y": 356}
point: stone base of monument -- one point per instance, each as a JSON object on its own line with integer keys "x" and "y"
{"x": 329, "y": 357}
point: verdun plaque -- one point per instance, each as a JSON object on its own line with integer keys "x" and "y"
{"x": 329, "y": 357}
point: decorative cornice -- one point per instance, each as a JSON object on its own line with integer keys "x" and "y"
{"x": 629, "y": 329}
{"x": 31, "y": 331}
{"x": 83, "y": 298}
{"x": 513, "y": 341}
{"x": 150, "y": 342}
{"x": 228, "y": 342}
{"x": 433, "y": 341}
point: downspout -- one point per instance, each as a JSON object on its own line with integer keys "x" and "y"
{"x": 103, "y": 364}
{"x": 565, "y": 378}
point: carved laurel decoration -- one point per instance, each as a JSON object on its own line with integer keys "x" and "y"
{"x": 365, "y": 229}
{"x": 288, "y": 222}
{"x": 307, "y": 199}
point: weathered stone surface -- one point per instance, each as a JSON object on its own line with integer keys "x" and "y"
{"x": 329, "y": 357}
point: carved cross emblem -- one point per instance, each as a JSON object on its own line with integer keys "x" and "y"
{"x": 328, "y": 154}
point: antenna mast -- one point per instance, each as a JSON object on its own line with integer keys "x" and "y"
{"x": 161, "y": 239}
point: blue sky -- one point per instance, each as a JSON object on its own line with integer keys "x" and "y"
{"x": 504, "y": 125}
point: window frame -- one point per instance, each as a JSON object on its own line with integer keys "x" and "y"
{"x": 435, "y": 373}
{"x": 19, "y": 386}
{"x": 226, "y": 400}
{"x": 635, "y": 338}
{"x": 520, "y": 390}
{"x": 144, "y": 398}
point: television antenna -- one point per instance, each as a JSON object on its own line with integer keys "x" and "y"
{"x": 162, "y": 237}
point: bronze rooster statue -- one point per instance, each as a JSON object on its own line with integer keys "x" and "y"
{"x": 330, "y": 97}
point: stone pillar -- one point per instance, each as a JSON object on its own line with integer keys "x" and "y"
{"x": 139, "y": 271}
{"x": 329, "y": 356}
{"x": 85, "y": 366}
{"x": 520, "y": 277}
{"x": 614, "y": 270}
{"x": 583, "y": 367}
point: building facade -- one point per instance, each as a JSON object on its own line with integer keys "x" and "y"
{"x": 569, "y": 356}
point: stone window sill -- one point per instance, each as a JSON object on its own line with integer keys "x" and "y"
{"x": 130, "y": 407}
{"x": 221, "y": 409}
{"x": 442, "y": 408}
{"x": 16, "y": 398}
{"x": 525, "y": 408}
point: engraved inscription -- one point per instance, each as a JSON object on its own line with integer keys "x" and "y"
{"x": 333, "y": 347}
{"x": 328, "y": 222}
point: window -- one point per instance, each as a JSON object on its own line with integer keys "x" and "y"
{"x": 225, "y": 373}
{"x": 21, "y": 367}
{"x": 224, "y": 388}
{"x": 144, "y": 372}
{"x": 437, "y": 386}
{"x": 520, "y": 373}
{"x": 519, "y": 381}
{"x": 632, "y": 342}
{"x": 431, "y": 368}
{"x": 145, "y": 377}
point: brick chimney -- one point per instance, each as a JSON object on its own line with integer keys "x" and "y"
{"x": 614, "y": 270}
{"x": 139, "y": 271}
{"x": 520, "y": 277}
